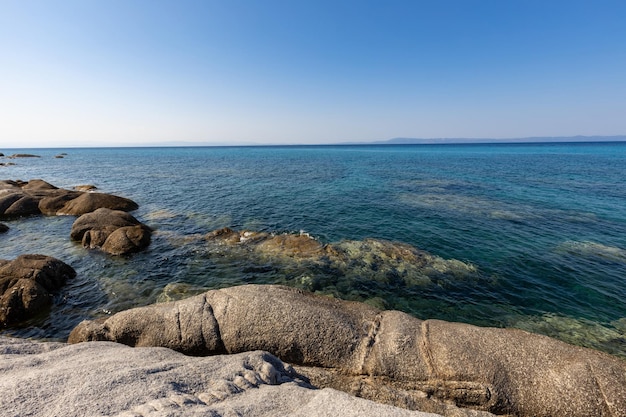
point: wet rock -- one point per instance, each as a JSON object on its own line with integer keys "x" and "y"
{"x": 178, "y": 291}
{"x": 282, "y": 245}
{"x": 26, "y": 284}
{"x": 3, "y": 228}
{"x": 19, "y": 198}
{"x": 24, "y": 155}
{"x": 113, "y": 231}
{"x": 371, "y": 260}
{"x": 386, "y": 356}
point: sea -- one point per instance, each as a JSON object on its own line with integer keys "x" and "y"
{"x": 539, "y": 229}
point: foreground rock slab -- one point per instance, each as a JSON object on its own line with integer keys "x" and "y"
{"x": 26, "y": 284}
{"x": 108, "y": 379}
{"x": 113, "y": 231}
{"x": 20, "y": 198}
{"x": 387, "y": 356}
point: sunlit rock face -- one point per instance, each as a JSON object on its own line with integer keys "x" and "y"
{"x": 152, "y": 382}
{"x": 387, "y": 356}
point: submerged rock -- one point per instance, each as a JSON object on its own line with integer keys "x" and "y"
{"x": 19, "y": 198}
{"x": 369, "y": 260}
{"x": 113, "y": 231}
{"x": 106, "y": 379}
{"x": 26, "y": 284}
{"x": 178, "y": 291}
{"x": 592, "y": 250}
{"x": 386, "y": 356}
{"x": 610, "y": 337}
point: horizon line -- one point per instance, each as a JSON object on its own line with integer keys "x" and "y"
{"x": 392, "y": 141}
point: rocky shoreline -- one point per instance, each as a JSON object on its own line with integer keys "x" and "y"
{"x": 271, "y": 344}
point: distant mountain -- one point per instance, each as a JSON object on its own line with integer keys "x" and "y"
{"x": 539, "y": 139}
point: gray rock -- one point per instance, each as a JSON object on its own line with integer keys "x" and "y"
{"x": 26, "y": 284}
{"x": 386, "y": 356}
{"x": 107, "y": 379}
{"x": 113, "y": 231}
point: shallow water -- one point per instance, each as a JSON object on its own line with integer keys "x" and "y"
{"x": 542, "y": 225}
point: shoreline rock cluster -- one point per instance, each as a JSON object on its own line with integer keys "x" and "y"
{"x": 103, "y": 221}
{"x": 25, "y": 198}
{"x": 28, "y": 282}
{"x": 386, "y": 356}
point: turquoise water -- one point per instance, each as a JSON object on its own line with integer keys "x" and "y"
{"x": 544, "y": 226}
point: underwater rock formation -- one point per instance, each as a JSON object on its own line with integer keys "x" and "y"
{"x": 609, "y": 337}
{"x": 386, "y": 356}
{"x": 587, "y": 249}
{"x": 26, "y": 284}
{"x": 369, "y": 260}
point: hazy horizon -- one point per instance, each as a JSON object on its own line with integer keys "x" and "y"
{"x": 118, "y": 73}
{"x": 393, "y": 141}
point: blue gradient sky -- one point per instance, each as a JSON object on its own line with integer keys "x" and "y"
{"x": 114, "y": 72}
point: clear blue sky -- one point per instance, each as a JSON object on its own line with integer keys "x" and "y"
{"x": 115, "y": 72}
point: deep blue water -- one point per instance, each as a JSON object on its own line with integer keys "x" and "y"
{"x": 544, "y": 225}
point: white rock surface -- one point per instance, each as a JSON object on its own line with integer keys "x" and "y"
{"x": 109, "y": 379}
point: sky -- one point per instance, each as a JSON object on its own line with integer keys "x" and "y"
{"x": 145, "y": 72}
